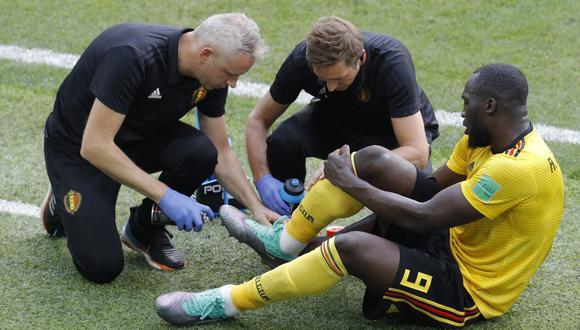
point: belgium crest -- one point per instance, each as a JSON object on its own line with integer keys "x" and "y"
{"x": 364, "y": 95}
{"x": 198, "y": 95}
{"x": 72, "y": 201}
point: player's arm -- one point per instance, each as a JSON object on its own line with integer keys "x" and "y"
{"x": 410, "y": 133}
{"x": 98, "y": 147}
{"x": 257, "y": 126}
{"x": 445, "y": 177}
{"x": 448, "y": 208}
{"x": 229, "y": 169}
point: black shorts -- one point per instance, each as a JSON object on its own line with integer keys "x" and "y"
{"x": 425, "y": 188}
{"x": 428, "y": 288}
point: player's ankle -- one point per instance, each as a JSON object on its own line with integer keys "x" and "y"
{"x": 230, "y": 309}
{"x": 289, "y": 245}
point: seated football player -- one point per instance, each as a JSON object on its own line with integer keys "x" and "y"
{"x": 491, "y": 214}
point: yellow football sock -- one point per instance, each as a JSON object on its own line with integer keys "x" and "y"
{"x": 310, "y": 274}
{"x": 323, "y": 204}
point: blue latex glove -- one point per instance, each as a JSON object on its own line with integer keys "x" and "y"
{"x": 269, "y": 190}
{"x": 186, "y": 212}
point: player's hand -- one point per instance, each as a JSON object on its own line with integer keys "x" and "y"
{"x": 269, "y": 189}
{"x": 338, "y": 168}
{"x": 316, "y": 176}
{"x": 185, "y": 211}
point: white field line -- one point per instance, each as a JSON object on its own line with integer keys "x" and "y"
{"x": 19, "y": 208}
{"x": 252, "y": 89}
{"x": 244, "y": 88}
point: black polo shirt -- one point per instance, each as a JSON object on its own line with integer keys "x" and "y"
{"x": 131, "y": 68}
{"x": 384, "y": 88}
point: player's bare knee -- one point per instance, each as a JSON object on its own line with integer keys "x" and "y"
{"x": 373, "y": 163}
{"x": 350, "y": 245}
{"x": 385, "y": 169}
{"x": 370, "y": 159}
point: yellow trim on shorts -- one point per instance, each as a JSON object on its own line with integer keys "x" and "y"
{"x": 441, "y": 319}
{"x": 352, "y": 163}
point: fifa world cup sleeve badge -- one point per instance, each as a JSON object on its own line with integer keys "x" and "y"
{"x": 486, "y": 188}
{"x": 72, "y": 201}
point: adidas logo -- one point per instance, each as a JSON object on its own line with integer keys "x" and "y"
{"x": 392, "y": 309}
{"x": 155, "y": 94}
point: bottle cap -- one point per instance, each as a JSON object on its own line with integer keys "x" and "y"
{"x": 292, "y": 191}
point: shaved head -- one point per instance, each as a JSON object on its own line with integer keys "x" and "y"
{"x": 503, "y": 82}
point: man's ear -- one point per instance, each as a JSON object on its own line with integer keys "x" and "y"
{"x": 363, "y": 57}
{"x": 490, "y": 106}
{"x": 205, "y": 54}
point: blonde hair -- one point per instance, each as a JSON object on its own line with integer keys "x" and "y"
{"x": 331, "y": 40}
{"x": 232, "y": 33}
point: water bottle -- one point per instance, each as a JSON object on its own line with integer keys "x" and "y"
{"x": 292, "y": 193}
{"x": 161, "y": 219}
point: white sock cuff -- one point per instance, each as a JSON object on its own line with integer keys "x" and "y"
{"x": 290, "y": 245}
{"x": 229, "y": 307}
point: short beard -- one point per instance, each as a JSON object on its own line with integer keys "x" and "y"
{"x": 478, "y": 136}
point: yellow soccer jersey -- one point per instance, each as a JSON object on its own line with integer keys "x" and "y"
{"x": 520, "y": 192}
